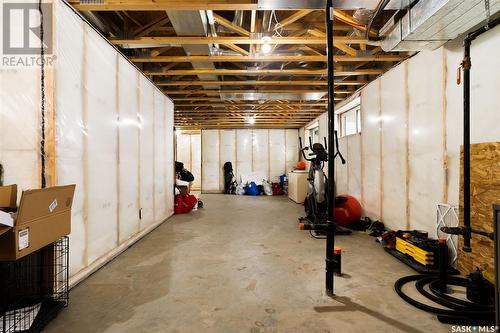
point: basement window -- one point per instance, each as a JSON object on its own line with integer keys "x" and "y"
{"x": 314, "y": 134}
{"x": 350, "y": 120}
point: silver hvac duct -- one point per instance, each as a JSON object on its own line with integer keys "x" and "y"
{"x": 320, "y": 4}
{"x": 431, "y": 23}
{"x": 193, "y": 23}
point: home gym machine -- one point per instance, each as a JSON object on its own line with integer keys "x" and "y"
{"x": 479, "y": 310}
{"x": 329, "y": 226}
{"x": 316, "y": 203}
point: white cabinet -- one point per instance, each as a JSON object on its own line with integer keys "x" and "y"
{"x": 297, "y": 185}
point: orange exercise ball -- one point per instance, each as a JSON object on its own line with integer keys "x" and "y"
{"x": 301, "y": 165}
{"x": 348, "y": 211}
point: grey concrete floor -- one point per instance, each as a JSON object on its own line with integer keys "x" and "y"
{"x": 241, "y": 265}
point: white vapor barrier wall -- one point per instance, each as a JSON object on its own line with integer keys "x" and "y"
{"x": 411, "y": 133}
{"x": 210, "y": 168}
{"x": 255, "y": 154}
{"x": 113, "y": 138}
{"x": 188, "y": 151}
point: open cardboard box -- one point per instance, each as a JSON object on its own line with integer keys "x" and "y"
{"x": 8, "y": 198}
{"x": 43, "y": 216}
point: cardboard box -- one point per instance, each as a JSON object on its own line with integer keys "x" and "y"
{"x": 8, "y": 198}
{"x": 43, "y": 217}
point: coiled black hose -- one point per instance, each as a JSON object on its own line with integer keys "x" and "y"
{"x": 458, "y": 311}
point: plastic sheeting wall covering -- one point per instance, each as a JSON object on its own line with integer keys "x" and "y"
{"x": 256, "y": 154}
{"x": 412, "y": 132}
{"x": 113, "y": 139}
{"x": 188, "y": 151}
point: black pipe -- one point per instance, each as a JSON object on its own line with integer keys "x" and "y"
{"x": 380, "y": 8}
{"x": 496, "y": 244}
{"x": 466, "y": 65}
{"x": 330, "y": 232}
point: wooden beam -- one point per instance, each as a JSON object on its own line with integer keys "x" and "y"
{"x": 159, "y": 51}
{"x": 142, "y": 31}
{"x": 316, "y": 33}
{"x": 262, "y": 72}
{"x": 236, "y": 91}
{"x": 162, "y": 5}
{"x": 229, "y": 25}
{"x": 248, "y": 105}
{"x": 238, "y": 49}
{"x": 268, "y": 58}
{"x": 292, "y": 18}
{"x": 132, "y": 18}
{"x": 348, "y": 19}
{"x": 266, "y": 112}
{"x": 253, "y": 27}
{"x": 346, "y": 48}
{"x": 214, "y": 99}
{"x": 243, "y": 40}
{"x": 251, "y": 83}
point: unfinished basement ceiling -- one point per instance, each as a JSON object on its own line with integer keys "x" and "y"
{"x": 243, "y": 66}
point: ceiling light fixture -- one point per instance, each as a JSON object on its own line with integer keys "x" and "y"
{"x": 266, "y": 47}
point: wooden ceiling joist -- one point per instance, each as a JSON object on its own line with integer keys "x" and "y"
{"x": 213, "y": 99}
{"x": 229, "y": 25}
{"x": 301, "y": 40}
{"x": 348, "y": 19}
{"x": 292, "y": 18}
{"x": 262, "y": 72}
{"x": 236, "y": 91}
{"x": 237, "y": 49}
{"x": 295, "y": 64}
{"x": 144, "y": 30}
{"x": 247, "y": 105}
{"x": 270, "y": 58}
{"x": 162, "y": 5}
{"x": 262, "y": 83}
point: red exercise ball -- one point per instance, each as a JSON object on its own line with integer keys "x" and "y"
{"x": 347, "y": 212}
{"x": 301, "y": 165}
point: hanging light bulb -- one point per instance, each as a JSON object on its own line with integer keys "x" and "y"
{"x": 266, "y": 47}
{"x": 251, "y": 120}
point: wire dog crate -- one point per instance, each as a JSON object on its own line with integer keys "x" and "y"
{"x": 34, "y": 289}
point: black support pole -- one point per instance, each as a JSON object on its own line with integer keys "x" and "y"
{"x": 467, "y": 65}
{"x": 330, "y": 232}
{"x": 496, "y": 225}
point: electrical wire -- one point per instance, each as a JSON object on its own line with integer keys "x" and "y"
{"x": 381, "y": 6}
{"x": 42, "y": 95}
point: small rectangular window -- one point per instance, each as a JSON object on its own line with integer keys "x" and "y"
{"x": 350, "y": 121}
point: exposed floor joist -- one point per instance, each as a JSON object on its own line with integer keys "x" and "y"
{"x": 216, "y": 88}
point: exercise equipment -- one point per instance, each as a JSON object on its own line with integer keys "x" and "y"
{"x": 316, "y": 202}
{"x": 347, "y": 210}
